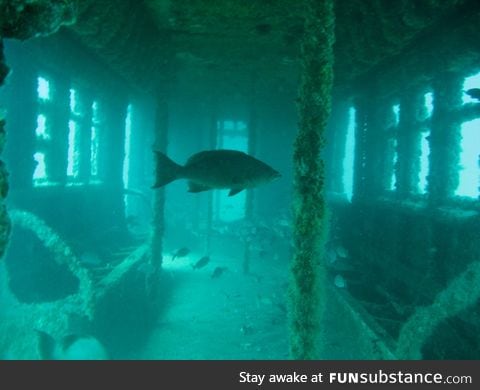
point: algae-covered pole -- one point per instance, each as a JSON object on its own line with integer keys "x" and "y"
{"x": 252, "y": 140}
{"x": 376, "y": 129}
{"x": 409, "y": 147}
{"x": 336, "y": 155}
{"x": 158, "y": 223}
{"x": 213, "y": 145}
{"x": 445, "y": 137}
{"x": 359, "y": 174}
{"x": 4, "y": 220}
{"x": 307, "y": 289}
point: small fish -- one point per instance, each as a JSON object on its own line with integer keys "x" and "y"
{"x": 215, "y": 169}
{"x": 474, "y": 93}
{"x": 341, "y": 252}
{"x": 201, "y": 263}
{"x": 72, "y": 347}
{"x": 340, "y": 281}
{"x": 218, "y": 271}
{"x": 247, "y": 330}
{"x": 182, "y": 252}
{"x": 331, "y": 255}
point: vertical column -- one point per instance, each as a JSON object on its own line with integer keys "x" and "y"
{"x": 250, "y": 198}
{"x": 385, "y": 121}
{"x": 409, "y": 148}
{"x": 370, "y": 148}
{"x": 85, "y": 137}
{"x": 158, "y": 222}
{"x": 4, "y": 219}
{"x": 213, "y": 145}
{"x": 113, "y": 148}
{"x": 359, "y": 164}
{"x": 445, "y": 138}
{"x": 307, "y": 288}
{"x": 378, "y": 147}
{"x": 59, "y": 116}
{"x": 336, "y": 146}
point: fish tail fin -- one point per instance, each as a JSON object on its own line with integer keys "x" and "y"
{"x": 46, "y": 345}
{"x": 167, "y": 170}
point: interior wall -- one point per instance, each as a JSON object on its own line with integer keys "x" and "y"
{"x": 405, "y": 249}
{"x": 102, "y": 204}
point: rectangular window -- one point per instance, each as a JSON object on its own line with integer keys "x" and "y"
{"x": 127, "y": 146}
{"x": 348, "y": 161}
{"x": 126, "y": 159}
{"x": 231, "y": 135}
{"x": 73, "y": 162}
{"x": 43, "y": 89}
{"x": 74, "y": 138}
{"x": 393, "y": 179}
{"x": 84, "y": 127}
{"x": 424, "y": 162}
{"x": 94, "y": 140}
{"x": 425, "y": 146}
{"x": 42, "y": 133}
{"x": 469, "y": 160}
{"x": 40, "y": 172}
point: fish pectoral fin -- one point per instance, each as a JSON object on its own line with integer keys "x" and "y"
{"x": 235, "y": 191}
{"x": 195, "y": 187}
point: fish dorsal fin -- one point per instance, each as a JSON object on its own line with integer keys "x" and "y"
{"x": 235, "y": 191}
{"x": 197, "y": 157}
{"x": 46, "y": 345}
{"x": 195, "y": 187}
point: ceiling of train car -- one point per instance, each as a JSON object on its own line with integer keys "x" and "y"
{"x": 237, "y": 39}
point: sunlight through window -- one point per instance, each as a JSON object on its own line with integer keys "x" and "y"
{"x": 396, "y": 112}
{"x": 41, "y": 130}
{"x": 73, "y": 101}
{"x": 425, "y": 147}
{"x": 469, "y": 83}
{"x": 429, "y": 103}
{"x": 40, "y": 172}
{"x": 424, "y": 162}
{"x": 43, "y": 88}
{"x": 469, "y": 160}
{"x": 94, "y": 141}
{"x": 348, "y": 161}
{"x": 127, "y": 146}
{"x": 73, "y": 152}
{"x": 393, "y": 179}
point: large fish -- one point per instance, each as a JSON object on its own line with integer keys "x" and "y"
{"x": 215, "y": 169}
{"x": 474, "y": 93}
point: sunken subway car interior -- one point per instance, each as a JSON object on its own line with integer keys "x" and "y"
{"x": 366, "y": 247}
